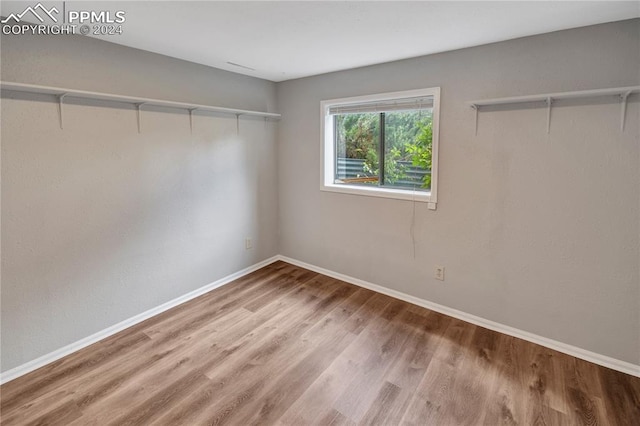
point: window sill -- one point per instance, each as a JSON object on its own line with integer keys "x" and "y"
{"x": 398, "y": 194}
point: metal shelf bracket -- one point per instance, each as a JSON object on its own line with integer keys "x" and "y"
{"x": 475, "y": 107}
{"x": 60, "y": 109}
{"x": 549, "y": 103}
{"x": 139, "y": 118}
{"x": 623, "y": 112}
{"x": 191, "y": 118}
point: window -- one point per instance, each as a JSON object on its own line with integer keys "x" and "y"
{"x": 382, "y": 145}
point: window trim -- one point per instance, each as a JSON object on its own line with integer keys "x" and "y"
{"x": 327, "y": 153}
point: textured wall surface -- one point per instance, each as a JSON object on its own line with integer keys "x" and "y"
{"x": 536, "y": 231}
{"x": 99, "y": 222}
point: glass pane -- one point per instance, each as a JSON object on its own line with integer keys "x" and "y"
{"x": 357, "y": 143}
{"x": 407, "y": 154}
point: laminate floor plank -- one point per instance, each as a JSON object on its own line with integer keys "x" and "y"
{"x": 543, "y": 386}
{"x": 380, "y": 409}
{"x": 473, "y": 388}
{"x": 435, "y": 397}
{"x": 328, "y": 341}
{"x": 133, "y": 379}
{"x": 253, "y": 367}
{"x": 318, "y": 400}
{"x": 308, "y": 339}
{"x": 51, "y": 377}
{"x": 622, "y": 397}
{"x": 288, "y": 346}
{"x": 409, "y": 368}
{"x": 369, "y": 310}
{"x": 216, "y": 309}
{"x": 199, "y": 356}
{"x": 30, "y": 412}
{"x": 334, "y": 418}
{"x": 243, "y": 286}
{"x": 378, "y": 345}
{"x": 507, "y": 403}
{"x": 331, "y": 381}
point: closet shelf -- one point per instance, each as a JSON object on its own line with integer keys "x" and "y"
{"x": 549, "y": 98}
{"x": 621, "y": 91}
{"x": 62, "y": 92}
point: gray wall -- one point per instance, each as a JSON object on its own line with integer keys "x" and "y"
{"x": 539, "y": 232}
{"x": 100, "y": 223}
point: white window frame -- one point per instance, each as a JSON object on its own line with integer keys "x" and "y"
{"x": 327, "y": 172}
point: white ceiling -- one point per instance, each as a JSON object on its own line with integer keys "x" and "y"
{"x": 286, "y": 40}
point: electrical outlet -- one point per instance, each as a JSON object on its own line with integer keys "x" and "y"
{"x": 439, "y": 273}
{"x": 247, "y": 244}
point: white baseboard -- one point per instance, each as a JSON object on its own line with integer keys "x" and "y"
{"x": 596, "y": 358}
{"x": 23, "y": 369}
{"x": 605, "y": 361}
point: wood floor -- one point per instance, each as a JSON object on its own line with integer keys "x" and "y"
{"x": 287, "y": 346}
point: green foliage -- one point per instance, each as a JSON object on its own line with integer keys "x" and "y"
{"x": 393, "y": 169}
{"x": 408, "y": 138}
{"x": 371, "y": 163}
{"x": 420, "y": 150}
{"x": 401, "y": 129}
{"x": 358, "y": 134}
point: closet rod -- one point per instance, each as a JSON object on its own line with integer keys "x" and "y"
{"x": 62, "y": 92}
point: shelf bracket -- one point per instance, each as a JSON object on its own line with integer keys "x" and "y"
{"x": 139, "y": 119}
{"x": 191, "y": 118}
{"x": 60, "y": 109}
{"x": 476, "y": 108}
{"x": 237, "y": 124}
{"x": 623, "y": 112}
{"x": 549, "y": 102}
